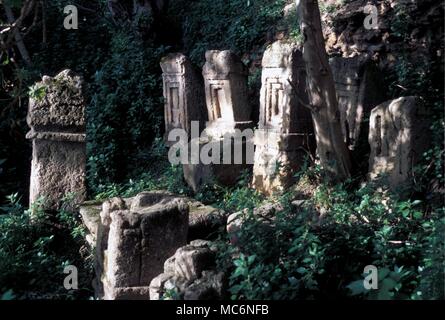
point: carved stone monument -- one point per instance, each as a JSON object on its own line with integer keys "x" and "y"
{"x": 225, "y": 80}
{"x": 229, "y": 114}
{"x": 285, "y": 131}
{"x": 183, "y": 94}
{"x": 134, "y": 239}
{"x": 56, "y": 117}
{"x": 358, "y": 90}
{"x": 398, "y": 136}
{"x": 191, "y": 272}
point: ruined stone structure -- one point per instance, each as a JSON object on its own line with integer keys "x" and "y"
{"x": 56, "y": 117}
{"x": 285, "y": 131}
{"x": 225, "y": 81}
{"x": 134, "y": 239}
{"x": 229, "y": 113}
{"x": 183, "y": 94}
{"x": 191, "y": 274}
{"x": 398, "y": 135}
{"x": 358, "y": 90}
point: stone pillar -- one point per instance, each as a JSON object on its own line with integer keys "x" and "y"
{"x": 135, "y": 238}
{"x": 225, "y": 80}
{"x": 183, "y": 94}
{"x": 229, "y": 113}
{"x": 56, "y": 117}
{"x": 285, "y": 130}
{"x": 358, "y": 90}
{"x": 398, "y": 136}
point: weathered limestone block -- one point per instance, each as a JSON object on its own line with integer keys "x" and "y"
{"x": 398, "y": 135}
{"x": 183, "y": 94}
{"x": 225, "y": 81}
{"x": 264, "y": 213}
{"x": 285, "y": 127}
{"x": 192, "y": 259}
{"x": 203, "y": 221}
{"x": 358, "y": 90}
{"x": 190, "y": 275}
{"x": 229, "y": 114}
{"x": 231, "y": 154}
{"x": 90, "y": 214}
{"x": 140, "y": 238}
{"x": 211, "y": 286}
{"x": 57, "y": 122}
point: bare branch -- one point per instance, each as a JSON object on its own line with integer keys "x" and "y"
{"x": 304, "y": 104}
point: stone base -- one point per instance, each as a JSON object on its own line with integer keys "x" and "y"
{"x": 219, "y": 128}
{"x": 134, "y": 238}
{"x": 57, "y": 169}
{"x": 240, "y": 160}
{"x": 128, "y": 293}
{"x": 277, "y": 158}
{"x": 96, "y": 215}
{"x": 190, "y": 274}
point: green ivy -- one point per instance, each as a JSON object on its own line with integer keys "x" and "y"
{"x": 126, "y": 109}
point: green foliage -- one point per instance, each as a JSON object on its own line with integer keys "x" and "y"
{"x": 37, "y": 92}
{"x": 160, "y": 176}
{"x": 231, "y": 199}
{"x": 34, "y": 249}
{"x": 293, "y": 26}
{"x": 210, "y": 24}
{"x": 125, "y": 114}
{"x": 329, "y": 8}
{"x": 168, "y": 178}
{"x": 402, "y": 21}
{"x": 298, "y": 256}
{"x": 389, "y": 284}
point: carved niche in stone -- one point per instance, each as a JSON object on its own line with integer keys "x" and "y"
{"x": 225, "y": 80}
{"x": 229, "y": 113}
{"x": 398, "y": 136}
{"x": 183, "y": 94}
{"x": 285, "y": 130}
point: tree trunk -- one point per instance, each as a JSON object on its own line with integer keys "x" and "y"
{"x": 333, "y": 152}
{"x": 17, "y": 35}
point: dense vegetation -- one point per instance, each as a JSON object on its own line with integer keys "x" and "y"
{"x": 402, "y": 234}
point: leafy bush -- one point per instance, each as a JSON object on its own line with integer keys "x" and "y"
{"x": 160, "y": 176}
{"x": 298, "y": 256}
{"x": 34, "y": 250}
{"x": 125, "y": 114}
{"x": 210, "y": 24}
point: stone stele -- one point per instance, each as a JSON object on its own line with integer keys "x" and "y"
{"x": 229, "y": 113}
{"x": 398, "y": 136}
{"x": 285, "y": 131}
{"x": 225, "y": 81}
{"x": 56, "y": 117}
{"x": 140, "y": 235}
{"x": 183, "y": 94}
